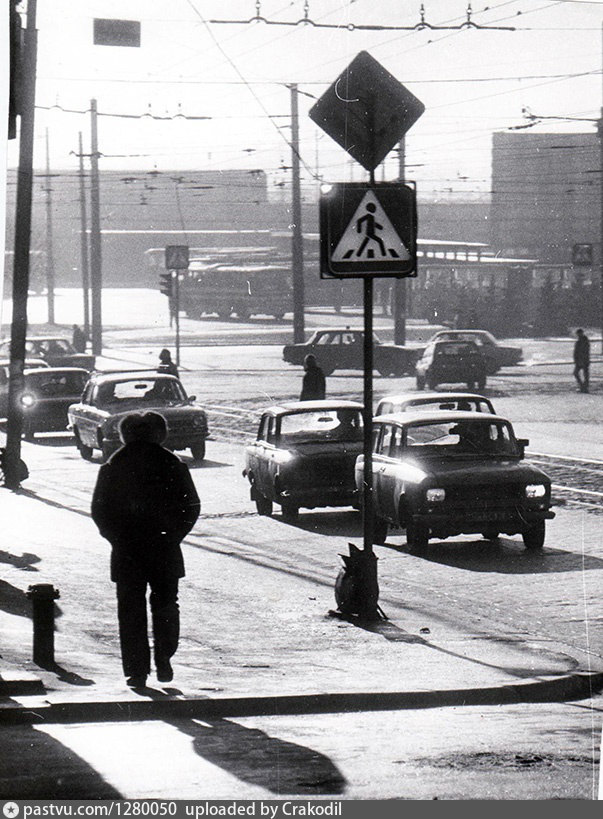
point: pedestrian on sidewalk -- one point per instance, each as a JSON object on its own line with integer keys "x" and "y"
{"x": 582, "y": 360}
{"x": 313, "y": 385}
{"x": 144, "y": 504}
{"x": 78, "y": 339}
{"x": 166, "y": 365}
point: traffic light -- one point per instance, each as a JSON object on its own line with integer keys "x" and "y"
{"x": 166, "y": 284}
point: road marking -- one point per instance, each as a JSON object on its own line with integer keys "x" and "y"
{"x": 564, "y": 458}
{"x": 580, "y": 491}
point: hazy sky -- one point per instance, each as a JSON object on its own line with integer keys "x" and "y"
{"x": 472, "y": 82}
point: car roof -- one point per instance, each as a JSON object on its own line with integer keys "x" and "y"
{"x": 48, "y": 338}
{"x": 432, "y": 396}
{"x": 458, "y": 330}
{"x": 311, "y": 406}
{"x": 441, "y": 415}
{"x": 131, "y": 375}
{"x": 443, "y": 342}
{"x": 54, "y": 370}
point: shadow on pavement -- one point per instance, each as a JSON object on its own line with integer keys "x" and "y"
{"x": 505, "y": 556}
{"x": 24, "y": 561}
{"x": 255, "y": 757}
{"x": 205, "y": 464}
{"x": 345, "y": 523}
{"x": 37, "y": 766}
{"x": 69, "y": 677}
{"x": 13, "y": 600}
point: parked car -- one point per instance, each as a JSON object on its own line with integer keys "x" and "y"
{"x": 108, "y": 397}
{"x": 427, "y": 402}
{"x": 449, "y": 362}
{"x": 56, "y": 351}
{"x": 445, "y": 473}
{"x": 497, "y": 355}
{"x": 30, "y": 364}
{"x": 339, "y": 349}
{"x": 304, "y": 455}
{"x": 46, "y": 397}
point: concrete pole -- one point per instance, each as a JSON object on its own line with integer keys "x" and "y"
{"x": 14, "y": 425}
{"x": 297, "y": 247}
{"x": 49, "y": 242}
{"x": 84, "y": 242}
{"x": 96, "y": 274}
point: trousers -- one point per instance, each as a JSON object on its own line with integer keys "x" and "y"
{"x": 133, "y": 624}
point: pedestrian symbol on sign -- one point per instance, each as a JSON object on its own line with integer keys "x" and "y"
{"x": 370, "y": 235}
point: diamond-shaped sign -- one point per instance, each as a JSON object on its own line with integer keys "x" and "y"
{"x": 176, "y": 257}
{"x": 366, "y": 111}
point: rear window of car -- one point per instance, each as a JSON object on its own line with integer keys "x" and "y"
{"x": 321, "y": 425}
{"x": 453, "y": 348}
{"x": 456, "y": 405}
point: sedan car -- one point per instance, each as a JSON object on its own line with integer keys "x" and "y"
{"x": 497, "y": 355}
{"x": 445, "y": 473}
{"x": 427, "y": 402}
{"x": 56, "y": 351}
{"x": 339, "y": 349}
{"x": 304, "y": 455}
{"x": 448, "y": 362}
{"x": 29, "y": 364}
{"x": 47, "y": 394}
{"x": 108, "y": 397}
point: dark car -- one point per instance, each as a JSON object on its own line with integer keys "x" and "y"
{"x": 339, "y": 349}
{"x": 447, "y": 473}
{"x": 450, "y": 362}
{"x": 430, "y": 401}
{"x": 304, "y": 455}
{"x": 29, "y": 364}
{"x": 56, "y": 351}
{"x": 46, "y": 397}
{"x": 108, "y": 397}
{"x": 497, "y": 355}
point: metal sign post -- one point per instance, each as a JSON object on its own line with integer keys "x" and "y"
{"x": 176, "y": 260}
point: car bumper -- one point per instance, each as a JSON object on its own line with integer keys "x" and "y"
{"x": 509, "y": 521}
{"x": 324, "y": 496}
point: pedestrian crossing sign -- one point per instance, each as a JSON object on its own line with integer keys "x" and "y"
{"x": 368, "y": 230}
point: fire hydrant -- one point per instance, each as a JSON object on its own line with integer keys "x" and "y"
{"x": 42, "y": 596}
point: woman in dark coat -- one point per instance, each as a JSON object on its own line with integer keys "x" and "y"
{"x": 313, "y": 386}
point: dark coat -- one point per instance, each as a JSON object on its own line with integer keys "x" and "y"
{"x": 144, "y": 504}
{"x": 313, "y": 385}
{"x": 168, "y": 368}
{"x": 582, "y": 351}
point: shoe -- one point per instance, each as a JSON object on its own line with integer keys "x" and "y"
{"x": 165, "y": 672}
{"x": 137, "y": 681}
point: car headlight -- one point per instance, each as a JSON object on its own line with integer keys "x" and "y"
{"x": 198, "y": 421}
{"x": 28, "y": 400}
{"x": 535, "y": 490}
{"x": 283, "y": 456}
{"x": 435, "y": 495}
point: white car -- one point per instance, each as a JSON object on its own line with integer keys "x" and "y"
{"x": 429, "y": 401}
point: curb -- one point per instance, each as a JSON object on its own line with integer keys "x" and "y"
{"x": 21, "y": 683}
{"x": 570, "y": 687}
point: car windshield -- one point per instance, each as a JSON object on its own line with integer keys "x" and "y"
{"x": 464, "y": 438}
{"x": 143, "y": 392}
{"x": 455, "y": 348}
{"x": 454, "y": 404}
{"x": 56, "y": 384}
{"x": 321, "y": 425}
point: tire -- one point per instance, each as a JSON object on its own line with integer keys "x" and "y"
{"x": 420, "y": 382}
{"x": 385, "y": 371}
{"x": 417, "y": 537}
{"x": 471, "y": 386}
{"x": 289, "y": 510}
{"x": 534, "y": 537}
{"x": 243, "y": 313}
{"x": 85, "y": 451}
{"x": 263, "y": 505}
{"x": 491, "y": 534}
{"x": 224, "y": 315}
{"x": 278, "y": 316}
{"x": 380, "y": 529}
{"x": 198, "y": 451}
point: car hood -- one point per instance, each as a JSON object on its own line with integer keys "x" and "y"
{"x": 470, "y": 472}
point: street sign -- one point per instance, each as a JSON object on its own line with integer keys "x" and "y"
{"x": 117, "y": 32}
{"x": 368, "y": 230}
{"x": 176, "y": 257}
{"x": 366, "y": 111}
{"x": 582, "y": 255}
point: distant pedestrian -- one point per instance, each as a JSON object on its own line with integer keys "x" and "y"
{"x": 79, "y": 339}
{"x": 144, "y": 504}
{"x": 582, "y": 360}
{"x": 166, "y": 365}
{"x": 313, "y": 386}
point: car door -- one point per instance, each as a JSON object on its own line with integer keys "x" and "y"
{"x": 266, "y": 465}
{"x": 86, "y": 417}
{"x": 387, "y": 477}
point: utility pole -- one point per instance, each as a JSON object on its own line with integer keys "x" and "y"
{"x": 399, "y": 306}
{"x": 14, "y": 425}
{"x": 49, "y": 243}
{"x": 84, "y": 242}
{"x": 96, "y": 274}
{"x": 297, "y": 246}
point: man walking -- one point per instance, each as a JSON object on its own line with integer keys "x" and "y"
{"x": 166, "y": 365}
{"x": 313, "y": 385}
{"x": 582, "y": 360}
{"x": 144, "y": 504}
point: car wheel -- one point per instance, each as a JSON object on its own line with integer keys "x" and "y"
{"x": 380, "y": 529}
{"x": 263, "y": 505}
{"x": 243, "y": 313}
{"x": 198, "y": 451}
{"x": 491, "y": 534}
{"x": 420, "y": 382}
{"x": 534, "y": 537}
{"x": 85, "y": 451}
{"x": 417, "y": 536}
{"x": 278, "y": 316}
{"x": 224, "y": 314}
{"x": 289, "y": 510}
{"x": 385, "y": 371}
